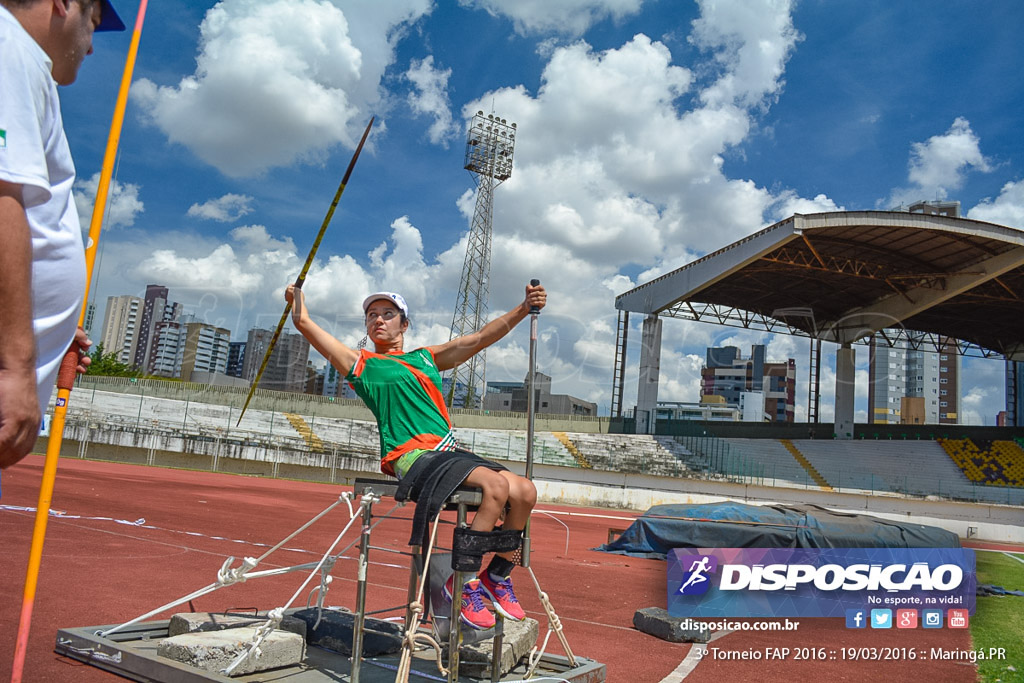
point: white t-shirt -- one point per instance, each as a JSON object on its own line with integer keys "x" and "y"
{"x": 34, "y": 153}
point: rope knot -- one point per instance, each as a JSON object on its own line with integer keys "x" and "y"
{"x": 227, "y": 576}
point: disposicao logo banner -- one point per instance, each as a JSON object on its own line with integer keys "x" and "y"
{"x": 817, "y": 582}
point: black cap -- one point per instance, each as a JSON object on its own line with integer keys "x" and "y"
{"x": 109, "y": 21}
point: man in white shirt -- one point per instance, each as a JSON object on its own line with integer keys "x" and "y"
{"x": 42, "y": 261}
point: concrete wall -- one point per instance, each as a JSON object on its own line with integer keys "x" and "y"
{"x": 310, "y": 405}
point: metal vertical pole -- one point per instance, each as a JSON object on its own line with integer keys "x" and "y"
{"x": 454, "y": 623}
{"x": 364, "y": 559}
{"x": 531, "y": 410}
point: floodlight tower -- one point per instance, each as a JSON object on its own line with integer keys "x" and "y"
{"x": 489, "y": 146}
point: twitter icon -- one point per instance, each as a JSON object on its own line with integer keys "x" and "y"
{"x": 881, "y": 618}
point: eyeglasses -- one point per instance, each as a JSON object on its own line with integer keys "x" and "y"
{"x": 386, "y": 315}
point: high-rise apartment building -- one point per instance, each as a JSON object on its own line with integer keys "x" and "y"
{"x": 121, "y": 327}
{"x": 236, "y": 358}
{"x": 90, "y": 318}
{"x": 899, "y": 372}
{"x": 152, "y": 312}
{"x": 727, "y": 374}
{"x": 168, "y": 348}
{"x": 206, "y": 349}
{"x": 182, "y": 348}
{"x": 286, "y": 368}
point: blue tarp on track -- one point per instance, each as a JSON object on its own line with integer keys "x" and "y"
{"x": 735, "y": 525}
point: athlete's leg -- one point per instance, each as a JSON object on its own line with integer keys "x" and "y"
{"x": 522, "y": 496}
{"x": 495, "y": 490}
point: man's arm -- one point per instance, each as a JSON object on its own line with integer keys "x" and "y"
{"x": 461, "y": 349}
{"x": 19, "y": 406}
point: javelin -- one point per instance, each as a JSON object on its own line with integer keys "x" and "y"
{"x": 305, "y": 268}
{"x": 68, "y": 372}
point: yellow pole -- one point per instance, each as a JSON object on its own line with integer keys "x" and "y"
{"x": 66, "y": 378}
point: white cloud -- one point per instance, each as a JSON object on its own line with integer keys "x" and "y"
{"x": 279, "y": 81}
{"x": 430, "y": 98}
{"x": 974, "y": 404}
{"x": 226, "y": 209}
{"x": 1006, "y": 209}
{"x": 565, "y": 17}
{"x": 616, "y": 181}
{"x": 790, "y": 203}
{"x": 751, "y": 43}
{"x": 941, "y": 163}
{"x": 123, "y": 203}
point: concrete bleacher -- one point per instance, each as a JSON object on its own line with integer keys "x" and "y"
{"x": 511, "y": 445}
{"x": 636, "y": 453}
{"x": 352, "y": 435}
{"x": 152, "y": 412}
{"x": 914, "y": 467}
{"x": 911, "y": 467}
{"x": 777, "y": 465}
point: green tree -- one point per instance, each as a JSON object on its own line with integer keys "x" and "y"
{"x": 107, "y": 365}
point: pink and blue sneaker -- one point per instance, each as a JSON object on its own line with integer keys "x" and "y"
{"x": 474, "y": 612}
{"x": 502, "y": 595}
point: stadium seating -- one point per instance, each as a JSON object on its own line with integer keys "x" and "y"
{"x": 992, "y": 463}
{"x": 972, "y": 470}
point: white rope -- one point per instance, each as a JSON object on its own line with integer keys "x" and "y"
{"x": 323, "y": 592}
{"x": 274, "y": 617}
{"x": 412, "y": 635}
{"x": 345, "y": 497}
{"x": 554, "y": 625}
{"x": 191, "y": 596}
{"x": 227, "y": 576}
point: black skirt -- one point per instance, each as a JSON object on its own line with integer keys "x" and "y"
{"x": 432, "y": 480}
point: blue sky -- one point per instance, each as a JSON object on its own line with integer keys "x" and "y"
{"x": 650, "y": 133}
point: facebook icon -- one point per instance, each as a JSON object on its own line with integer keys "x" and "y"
{"x": 856, "y": 618}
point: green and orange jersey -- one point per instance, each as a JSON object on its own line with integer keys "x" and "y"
{"x": 403, "y": 391}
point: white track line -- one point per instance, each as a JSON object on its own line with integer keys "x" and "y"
{"x": 1013, "y": 556}
{"x": 692, "y": 659}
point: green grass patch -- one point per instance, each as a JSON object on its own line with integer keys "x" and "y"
{"x": 999, "y": 621}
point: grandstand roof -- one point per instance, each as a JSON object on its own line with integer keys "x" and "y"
{"x": 842, "y": 276}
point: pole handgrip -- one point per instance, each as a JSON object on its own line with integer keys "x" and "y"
{"x": 69, "y": 367}
{"x": 534, "y": 310}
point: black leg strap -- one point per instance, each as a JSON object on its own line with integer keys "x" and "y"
{"x": 469, "y": 547}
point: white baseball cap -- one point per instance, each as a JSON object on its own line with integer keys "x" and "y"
{"x": 396, "y": 299}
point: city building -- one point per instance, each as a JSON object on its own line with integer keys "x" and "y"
{"x": 911, "y": 385}
{"x": 727, "y": 374}
{"x": 206, "y": 350}
{"x": 236, "y": 358}
{"x": 334, "y": 384}
{"x": 168, "y": 349}
{"x": 152, "y": 312}
{"x": 513, "y": 396}
{"x": 286, "y": 367}
{"x": 130, "y": 324}
{"x": 187, "y": 349}
{"x": 121, "y": 327}
{"x": 1014, "y": 413}
{"x": 90, "y": 319}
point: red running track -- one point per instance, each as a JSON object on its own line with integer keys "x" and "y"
{"x": 98, "y": 571}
